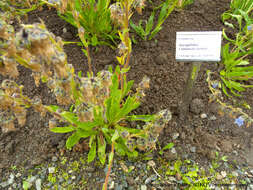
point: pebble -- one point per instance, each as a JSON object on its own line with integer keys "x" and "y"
{"x": 51, "y": 170}
{"x": 219, "y": 177}
{"x": 151, "y": 163}
{"x": 247, "y": 180}
{"x": 54, "y": 159}
{"x": 118, "y": 187}
{"x": 151, "y": 178}
{"x": 212, "y": 118}
{"x": 18, "y": 175}
{"x": 38, "y": 184}
{"x": 193, "y": 149}
{"x": 173, "y": 150}
{"x": 235, "y": 174}
{"x": 144, "y": 187}
{"x": 175, "y": 136}
{"x": 224, "y": 174}
{"x": 203, "y": 116}
{"x": 112, "y": 185}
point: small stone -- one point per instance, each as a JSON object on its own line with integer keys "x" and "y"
{"x": 193, "y": 149}
{"x": 14, "y": 185}
{"x": 38, "y": 184}
{"x": 172, "y": 179}
{"x": 247, "y": 180}
{"x": 112, "y": 185}
{"x": 54, "y": 159}
{"x": 51, "y": 170}
{"x": 18, "y": 175}
{"x": 11, "y": 179}
{"x": 73, "y": 177}
{"x": 70, "y": 171}
{"x": 197, "y": 106}
{"x": 144, "y": 187}
{"x": 212, "y": 118}
{"x": 175, "y": 136}
{"x": 151, "y": 178}
{"x": 235, "y": 152}
{"x": 118, "y": 187}
{"x": 183, "y": 135}
{"x": 219, "y": 177}
{"x": 173, "y": 150}
{"x": 64, "y": 30}
{"x": 151, "y": 163}
{"x": 235, "y": 174}
{"x": 31, "y": 179}
{"x": 224, "y": 174}
{"x": 203, "y": 116}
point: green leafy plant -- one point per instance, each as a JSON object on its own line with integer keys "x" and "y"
{"x": 104, "y": 124}
{"x": 236, "y": 67}
{"x": 93, "y": 16}
{"x": 239, "y": 10}
{"x": 168, "y": 146}
{"x": 150, "y": 30}
{"x": 100, "y": 105}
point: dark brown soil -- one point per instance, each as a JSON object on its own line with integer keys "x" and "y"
{"x": 35, "y": 144}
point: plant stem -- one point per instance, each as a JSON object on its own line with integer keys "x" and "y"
{"x": 89, "y": 60}
{"x": 109, "y": 170}
{"x": 187, "y": 94}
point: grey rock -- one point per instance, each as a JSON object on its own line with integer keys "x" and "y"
{"x": 4, "y": 184}
{"x": 212, "y": 118}
{"x": 193, "y": 149}
{"x": 203, "y": 116}
{"x": 150, "y": 179}
{"x": 173, "y": 150}
{"x": 54, "y": 159}
{"x": 51, "y": 170}
{"x": 31, "y": 179}
{"x": 112, "y": 185}
{"x": 175, "y": 136}
{"x": 38, "y": 184}
{"x": 118, "y": 187}
{"x": 235, "y": 174}
{"x": 197, "y": 106}
{"x": 144, "y": 187}
{"x": 247, "y": 180}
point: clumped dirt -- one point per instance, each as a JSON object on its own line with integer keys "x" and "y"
{"x": 35, "y": 144}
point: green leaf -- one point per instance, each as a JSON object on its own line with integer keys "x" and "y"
{"x": 52, "y": 108}
{"x": 120, "y": 149}
{"x": 94, "y": 41}
{"x": 63, "y": 129}
{"x": 84, "y": 133}
{"x": 150, "y": 23}
{"x": 72, "y": 140}
{"x": 86, "y": 125}
{"x": 101, "y": 150}
{"x": 69, "y": 116}
{"x": 145, "y": 118}
{"x": 115, "y": 136}
{"x": 92, "y": 152}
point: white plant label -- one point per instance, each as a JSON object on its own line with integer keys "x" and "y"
{"x": 198, "y": 46}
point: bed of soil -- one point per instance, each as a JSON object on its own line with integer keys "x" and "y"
{"x": 199, "y": 137}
